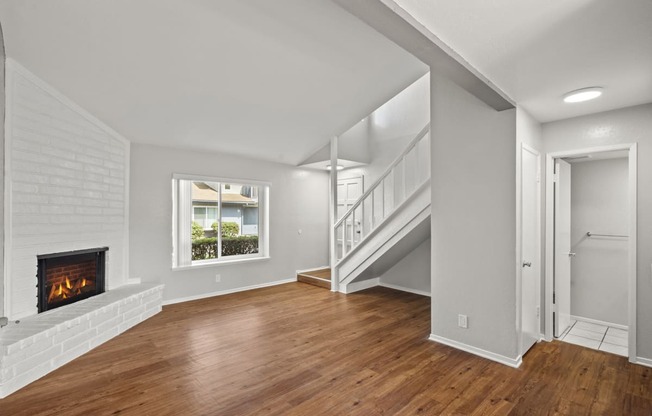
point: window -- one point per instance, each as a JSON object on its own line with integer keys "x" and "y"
{"x": 217, "y": 220}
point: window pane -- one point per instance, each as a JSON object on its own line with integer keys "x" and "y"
{"x": 211, "y": 218}
{"x": 198, "y": 215}
{"x": 204, "y": 209}
{"x": 240, "y": 219}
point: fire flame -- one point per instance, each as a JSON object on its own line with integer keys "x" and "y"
{"x": 67, "y": 289}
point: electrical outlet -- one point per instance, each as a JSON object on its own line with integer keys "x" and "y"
{"x": 462, "y": 321}
{"x": 218, "y": 278}
{"x": 538, "y": 311}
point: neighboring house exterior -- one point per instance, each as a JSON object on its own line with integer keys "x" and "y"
{"x": 239, "y": 205}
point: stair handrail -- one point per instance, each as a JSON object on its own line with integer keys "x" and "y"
{"x": 379, "y": 181}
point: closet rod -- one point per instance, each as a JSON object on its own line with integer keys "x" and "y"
{"x": 590, "y": 234}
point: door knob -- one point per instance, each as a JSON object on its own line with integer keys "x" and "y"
{"x": 527, "y": 264}
{"x": 571, "y": 254}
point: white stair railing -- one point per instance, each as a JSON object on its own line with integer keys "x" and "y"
{"x": 394, "y": 187}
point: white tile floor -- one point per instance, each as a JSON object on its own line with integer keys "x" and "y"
{"x": 597, "y": 337}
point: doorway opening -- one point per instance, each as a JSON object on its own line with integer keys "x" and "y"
{"x": 591, "y": 248}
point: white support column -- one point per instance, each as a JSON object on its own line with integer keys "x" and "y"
{"x": 335, "y": 282}
{"x": 4, "y": 296}
{"x": 218, "y": 236}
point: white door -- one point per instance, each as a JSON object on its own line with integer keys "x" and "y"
{"x": 530, "y": 249}
{"x": 563, "y": 255}
{"x": 348, "y": 192}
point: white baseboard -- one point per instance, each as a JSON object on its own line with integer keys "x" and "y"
{"x": 598, "y": 322}
{"x": 313, "y": 268}
{"x": 227, "y": 292}
{"x": 405, "y": 289}
{"x": 511, "y": 362}
{"x": 643, "y": 361}
{"x": 358, "y": 286}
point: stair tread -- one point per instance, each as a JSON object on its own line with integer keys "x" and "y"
{"x": 315, "y": 281}
{"x": 319, "y": 273}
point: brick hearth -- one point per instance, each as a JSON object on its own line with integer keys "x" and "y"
{"x": 40, "y": 344}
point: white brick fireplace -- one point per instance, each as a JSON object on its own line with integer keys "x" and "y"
{"x": 66, "y": 189}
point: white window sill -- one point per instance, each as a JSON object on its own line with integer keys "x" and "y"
{"x": 218, "y": 263}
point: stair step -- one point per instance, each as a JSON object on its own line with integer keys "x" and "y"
{"x": 320, "y": 273}
{"x": 319, "y": 277}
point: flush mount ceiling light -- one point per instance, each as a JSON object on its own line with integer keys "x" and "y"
{"x": 583, "y": 94}
{"x": 339, "y": 167}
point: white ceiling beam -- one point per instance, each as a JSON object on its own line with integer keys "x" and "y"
{"x": 392, "y": 21}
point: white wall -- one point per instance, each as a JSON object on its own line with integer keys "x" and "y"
{"x": 386, "y": 132}
{"x": 629, "y": 125}
{"x": 298, "y": 201}
{"x": 473, "y": 221}
{"x": 412, "y": 272}
{"x": 599, "y": 270}
{"x": 67, "y": 186}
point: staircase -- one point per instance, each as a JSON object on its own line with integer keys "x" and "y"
{"x": 389, "y": 220}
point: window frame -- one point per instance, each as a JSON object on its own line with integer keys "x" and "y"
{"x": 181, "y": 241}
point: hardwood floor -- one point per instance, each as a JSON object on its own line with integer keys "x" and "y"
{"x": 296, "y": 349}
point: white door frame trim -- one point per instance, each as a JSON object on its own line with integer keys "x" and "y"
{"x": 549, "y": 235}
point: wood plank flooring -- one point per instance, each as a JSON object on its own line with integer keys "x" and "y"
{"x": 296, "y": 349}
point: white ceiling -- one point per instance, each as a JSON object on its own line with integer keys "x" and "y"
{"x": 536, "y": 51}
{"x": 269, "y": 79}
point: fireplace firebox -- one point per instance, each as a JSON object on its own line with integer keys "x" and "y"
{"x": 65, "y": 278}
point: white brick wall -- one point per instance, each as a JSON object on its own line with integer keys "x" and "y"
{"x": 68, "y": 186}
{"x": 40, "y": 344}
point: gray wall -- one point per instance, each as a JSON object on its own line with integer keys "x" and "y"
{"x": 2, "y": 169}
{"x": 599, "y": 270}
{"x": 628, "y": 125}
{"x": 412, "y": 272}
{"x": 473, "y": 220}
{"x": 298, "y": 201}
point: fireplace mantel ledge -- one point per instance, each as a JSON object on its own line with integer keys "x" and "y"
{"x": 39, "y": 344}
